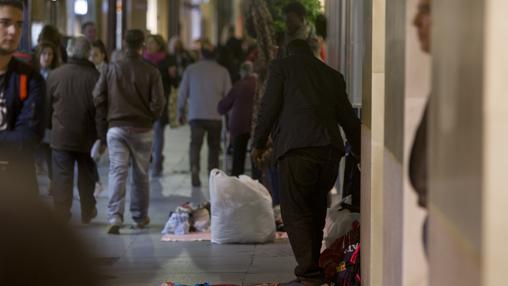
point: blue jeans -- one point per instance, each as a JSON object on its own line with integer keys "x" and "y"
{"x": 129, "y": 147}
{"x": 158, "y": 146}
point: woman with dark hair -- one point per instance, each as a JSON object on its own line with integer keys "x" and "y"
{"x": 46, "y": 59}
{"x": 52, "y": 35}
{"x": 156, "y": 53}
{"x": 99, "y": 55}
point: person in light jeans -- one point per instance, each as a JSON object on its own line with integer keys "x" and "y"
{"x": 129, "y": 98}
{"x": 128, "y": 144}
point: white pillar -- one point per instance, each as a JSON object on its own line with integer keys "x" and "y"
{"x": 373, "y": 142}
{"x": 468, "y": 140}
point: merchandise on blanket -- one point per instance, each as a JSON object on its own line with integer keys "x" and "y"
{"x": 200, "y": 220}
{"x": 349, "y": 272}
{"x": 331, "y": 258}
{"x": 241, "y": 210}
{"x": 178, "y": 222}
{"x": 339, "y": 221}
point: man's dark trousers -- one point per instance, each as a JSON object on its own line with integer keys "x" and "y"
{"x": 239, "y": 152}
{"x": 306, "y": 177}
{"x": 213, "y": 129}
{"x": 63, "y": 181}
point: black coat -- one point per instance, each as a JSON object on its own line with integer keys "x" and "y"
{"x": 304, "y": 104}
{"x": 167, "y": 83}
{"x": 73, "y": 123}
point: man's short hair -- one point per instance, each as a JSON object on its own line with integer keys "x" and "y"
{"x": 14, "y": 3}
{"x": 79, "y": 48}
{"x": 134, "y": 39}
{"x": 295, "y": 7}
{"x": 208, "y": 51}
{"x": 86, "y": 24}
{"x": 299, "y": 46}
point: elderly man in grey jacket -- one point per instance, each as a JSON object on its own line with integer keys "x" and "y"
{"x": 203, "y": 85}
{"x": 129, "y": 98}
{"x": 74, "y": 130}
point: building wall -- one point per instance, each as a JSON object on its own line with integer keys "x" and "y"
{"x": 396, "y": 78}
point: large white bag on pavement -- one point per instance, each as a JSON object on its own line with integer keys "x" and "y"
{"x": 241, "y": 210}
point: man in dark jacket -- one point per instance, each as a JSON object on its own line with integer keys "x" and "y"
{"x": 305, "y": 101}
{"x": 129, "y": 98}
{"x": 21, "y": 101}
{"x": 73, "y": 131}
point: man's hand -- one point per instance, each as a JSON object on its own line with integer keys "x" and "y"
{"x": 102, "y": 148}
{"x": 257, "y": 156}
{"x": 172, "y": 71}
{"x": 181, "y": 120}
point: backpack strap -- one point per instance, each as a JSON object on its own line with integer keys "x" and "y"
{"x": 23, "y": 90}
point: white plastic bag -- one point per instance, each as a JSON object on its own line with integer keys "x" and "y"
{"x": 339, "y": 222}
{"x": 241, "y": 210}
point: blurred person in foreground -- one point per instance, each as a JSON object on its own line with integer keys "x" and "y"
{"x": 22, "y": 92}
{"x": 36, "y": 247}
{"x": 304, "y": 104}
{"x": 418, "y": 160}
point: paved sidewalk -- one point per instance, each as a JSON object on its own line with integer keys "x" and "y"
{"x": 138, "y": 257}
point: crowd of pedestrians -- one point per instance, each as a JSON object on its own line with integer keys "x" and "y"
{"x": 70, "y": 99}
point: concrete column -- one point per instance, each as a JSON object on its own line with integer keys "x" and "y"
{"x": 393, "y": 214}
{"x": 174, "y": 18}
{"x": 468, "y": 139}
{"x": 373, "y": 142}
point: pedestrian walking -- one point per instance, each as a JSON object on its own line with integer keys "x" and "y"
{"x": 203, "y": 85}
{"x": 304, "y": 104}
{"x": 22, "y": 91}
{"x": 238, "y": 105}
{"x": 156, "y": 53}
{"x": 73, "y": 130}
{"x": 129, "y": 98}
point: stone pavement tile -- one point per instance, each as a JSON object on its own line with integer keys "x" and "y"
{"x": 262, "y": 264}
{"x": 188, "y": 279}
{"x": 252, "y": 279}
{"x": 182, "y": 265}
{"x": 152, "y": 246}
{"x": 280, "y": 248}
{"x": 138, "y": 257}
